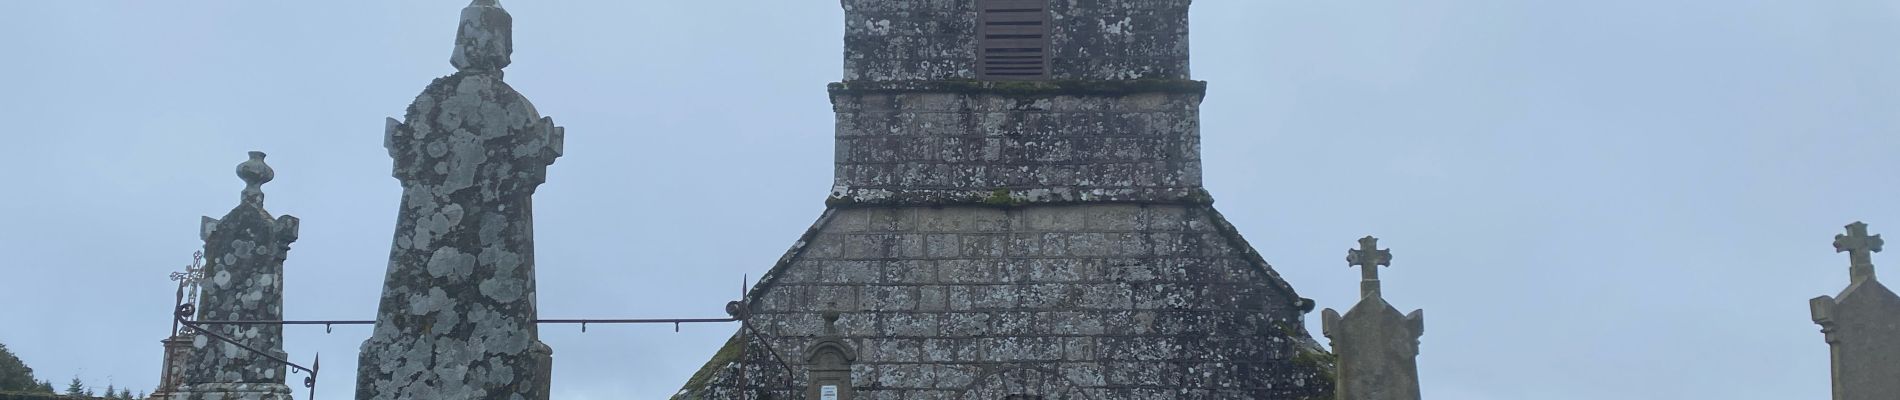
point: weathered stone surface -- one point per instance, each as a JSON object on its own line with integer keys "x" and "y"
{"x": 485, "y": 40}
{"x": 1377, "y": 347}
{"x": 828, "y": 364}
{"x": 458, "y": 307}
{"x": 938, "y": 147}
{"x": 1861, "y": 325}
{"x": 1024, "y": 239}
{"x": 243, "y": 280}
{"x": 1097, "y": 301}
{"x": 1090, "y": 40}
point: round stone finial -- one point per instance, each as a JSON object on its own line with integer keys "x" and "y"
{"x": 255, "y": 174}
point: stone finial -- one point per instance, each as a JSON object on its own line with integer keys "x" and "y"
{"x": 485, "y": 39}
{"x": 1377, "y": 346}
{"x": 255, "y": 174}
{"x": 1859, "y": 247}
{"x": 1369, "y": 258}
{"x": 1861, "y": 325}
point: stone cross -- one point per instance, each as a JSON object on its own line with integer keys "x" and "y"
{"x": 457, "y": 318}
{"x": 1859, "y": 248}
{"x": 1861, "y": 325}
{"x": 1377, "y": 346}
{"x": 242, "y": 279}
{"x": 1369, "y": 258}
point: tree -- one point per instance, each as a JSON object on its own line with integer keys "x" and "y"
{"x": 112, "y": 391}
{"x": 15, "y": 375}
{"x": 46, "y": 387}
{"x": 127, "y": 394}
{"x": 76, "y": 388}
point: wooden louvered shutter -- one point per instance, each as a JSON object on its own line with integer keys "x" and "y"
{"x": 1013, "y": 39}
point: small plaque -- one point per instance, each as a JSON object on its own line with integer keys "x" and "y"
{"x": 828, "y": 392}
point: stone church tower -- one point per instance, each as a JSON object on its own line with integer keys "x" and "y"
{"x": 1018, "y": 214}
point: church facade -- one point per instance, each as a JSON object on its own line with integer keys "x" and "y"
{"x": 1017, "y": 213}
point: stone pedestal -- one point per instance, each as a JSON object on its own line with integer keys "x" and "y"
{"x": 457, "y": 318}
{"x": 172, "y": 373}
{"x": 243, "y": 280}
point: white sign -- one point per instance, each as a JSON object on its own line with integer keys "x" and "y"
{"x": 828, "y": 392}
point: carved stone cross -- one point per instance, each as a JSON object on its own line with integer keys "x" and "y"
{"x": 1859, "y": 247}
{"x": 1369, "y": 258}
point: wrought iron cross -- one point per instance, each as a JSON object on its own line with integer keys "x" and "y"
{"x": 1859, "y": 247}
{"x": 188, "y": 284}
{"x": 1369, "y": 258}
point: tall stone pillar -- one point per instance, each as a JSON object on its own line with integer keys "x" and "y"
{"x": 1862, "y": 325}
{"x": 1377, "y": 346}
{"x": 243, "y": 280}
{"x": 457, "y": 317}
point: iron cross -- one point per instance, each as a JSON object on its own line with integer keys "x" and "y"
{"x": 1369, "y": 258}
{"x": 1859, "y": 247}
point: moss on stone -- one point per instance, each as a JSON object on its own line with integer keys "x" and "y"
{"x": 727, "y": 355}
{"x": 1000, "y": 197}
{"x": 1323, "y": 363}
{"x": 1026, "y": 88}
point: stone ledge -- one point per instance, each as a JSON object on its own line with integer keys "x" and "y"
{"x": 862, "y": 197}
{"x": 1024, "y": 88}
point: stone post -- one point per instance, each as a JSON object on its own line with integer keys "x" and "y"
{"x": 243, "y": 280}
{"x": 1377, "y": 346}
{"x": 828, "y": 364}
{"x": 457, "y": 317}
{"x": 1861, "y": 325}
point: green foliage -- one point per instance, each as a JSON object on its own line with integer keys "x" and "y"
{"x": 76, "y": 387}
{"x": 15, "y": 376}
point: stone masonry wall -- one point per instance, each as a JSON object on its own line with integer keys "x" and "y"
{"x": 1102, "y": 301}
{"x": 918, "y": 147}
{"x": 1096, "y": 39}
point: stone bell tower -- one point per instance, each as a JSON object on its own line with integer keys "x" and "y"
{"x": 457, "y": 318}
{"x": 1017, "y": 213}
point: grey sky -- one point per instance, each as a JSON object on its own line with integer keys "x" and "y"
{"x": 1608, "y": 199}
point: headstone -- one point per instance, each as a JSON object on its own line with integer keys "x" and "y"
{"x": 1861, "y": 325}
{"x": 1377, "y": 346}
{"x": 457, "y": 319}
{"x": 828, "y": 364}
{"x": 243, "y": 280}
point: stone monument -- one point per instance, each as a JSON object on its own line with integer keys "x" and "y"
{"x": 1377, "y": 346}
{"x": 457, "y": 317}
{"x": 1861, "y": 325}
{"x": 243, "y": 279}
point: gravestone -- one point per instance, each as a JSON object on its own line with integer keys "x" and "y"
{"x": 243, "y": 279}
{"x": 1377, "y": 346}
{"x": 1861, "y": 325}
{"x": 457, "y": 317}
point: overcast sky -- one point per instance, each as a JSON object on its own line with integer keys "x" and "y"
{"x": 1606, "y": 199}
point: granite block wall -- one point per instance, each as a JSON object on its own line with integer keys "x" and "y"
{"x": 889, "y": 40}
